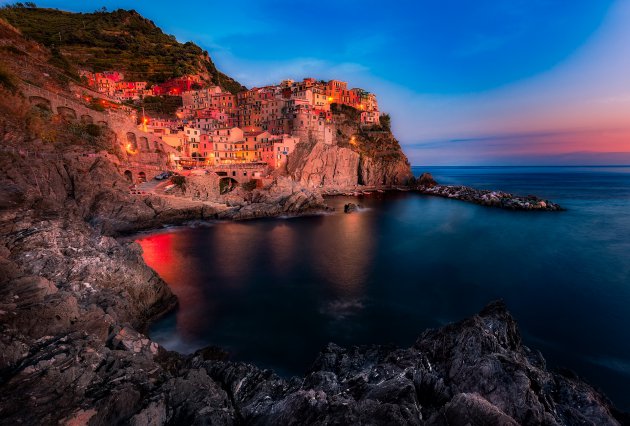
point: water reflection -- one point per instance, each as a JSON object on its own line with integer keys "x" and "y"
{"x": 166, "y": 254}
{"x": 344, "y": 262}
{"x": 232, "y": 247}
{"x": 281, "y": 240}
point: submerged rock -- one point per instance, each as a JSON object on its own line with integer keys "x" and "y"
{"x": 350, "y": 207}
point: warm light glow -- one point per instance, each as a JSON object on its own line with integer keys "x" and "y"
{"x": 162, "y": 253}
{"x": 130, "y": 149}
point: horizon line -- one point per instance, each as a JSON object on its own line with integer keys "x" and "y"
{"x": 533, "y": 165}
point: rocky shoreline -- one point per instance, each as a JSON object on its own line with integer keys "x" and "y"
{"x": 425, "y": 184}
{"x": 73, "y": 301}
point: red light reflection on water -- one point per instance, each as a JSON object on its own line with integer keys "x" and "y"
{"x": 157, "y": 251}
{"x": 163, "y": 253}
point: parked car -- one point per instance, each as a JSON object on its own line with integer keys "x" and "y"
{"x": 164, "y": 175}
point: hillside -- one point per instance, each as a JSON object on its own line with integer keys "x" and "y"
{"x": 120, "y": 40}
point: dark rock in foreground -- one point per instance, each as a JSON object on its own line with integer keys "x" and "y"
{"x": 475, "y": 372}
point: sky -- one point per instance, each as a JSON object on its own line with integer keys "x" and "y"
{"x": 485, "y": 82}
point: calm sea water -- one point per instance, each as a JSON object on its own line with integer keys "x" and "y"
{"x": 274, "y": 292}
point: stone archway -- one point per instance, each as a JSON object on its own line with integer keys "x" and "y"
{"x": 40, "y": 102}
{"x": 128, "y": 175}
{"x": 227, "y": 184}
{"x": 67, "y": 113}
{"x": 132, "y": 144}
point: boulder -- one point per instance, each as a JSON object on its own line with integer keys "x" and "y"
{"x": 426, "y": 179}
{"x": 350, "y": 207}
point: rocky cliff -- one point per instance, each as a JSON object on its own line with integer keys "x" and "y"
{"x": 359, "y": 155}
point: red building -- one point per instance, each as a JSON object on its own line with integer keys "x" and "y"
{"x": 175, "y": 86}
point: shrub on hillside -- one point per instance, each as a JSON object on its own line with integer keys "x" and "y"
{"x": 249, "y": 186}
{"x": 7, "y": 79}
{"x": 178, "y": 180}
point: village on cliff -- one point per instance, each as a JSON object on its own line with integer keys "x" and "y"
{"x": 254, "y": 129}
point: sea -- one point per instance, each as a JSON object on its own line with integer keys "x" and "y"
{"x": 274, "y": 292}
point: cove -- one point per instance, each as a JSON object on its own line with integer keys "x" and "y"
{"x": 273, "y": 292}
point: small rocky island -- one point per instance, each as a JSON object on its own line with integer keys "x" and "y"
{"x": 75, "y": 300}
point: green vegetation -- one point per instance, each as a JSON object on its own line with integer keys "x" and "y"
{"x": 350, "y": 112}
{"x": 161, "y": 106}
{"x": 63, "y": 134}
{"x": 386, "y": 122}
{"x": 96, "y": 105}
{"x": 120, "y": 40}
{"x": 7, "y": 79}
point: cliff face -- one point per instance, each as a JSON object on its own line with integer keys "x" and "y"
{"x": 358, "y": 156}
{"x": 381, "y": 170}
{"x": 320, "y": 164}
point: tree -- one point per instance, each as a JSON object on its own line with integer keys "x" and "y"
{"x": 386, "y": 122}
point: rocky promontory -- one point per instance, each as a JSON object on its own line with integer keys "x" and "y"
{"x": 427, "y": 185}
{"x": 489, "y": 198}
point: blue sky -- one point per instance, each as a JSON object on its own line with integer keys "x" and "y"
{"x": 466, "y": 82}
